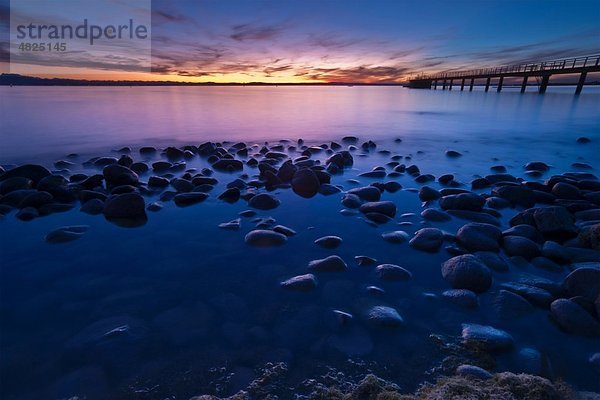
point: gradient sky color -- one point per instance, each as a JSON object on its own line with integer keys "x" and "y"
{"x": 342, "y": 41}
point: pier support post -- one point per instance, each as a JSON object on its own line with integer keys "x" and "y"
{"x": 487, "y": 84}
{"x": 524, "y": 85}
{"x": 462, "y": 85}
{"x": 471, "y": 86}
{"x": 451, "y": 82}
{"x": 435, "y": 85}
{"x": 580, "y": 83}
{"x": 500, "y": 84}
{"x": 544, "y": 84}
{"x": 444, "y": 85}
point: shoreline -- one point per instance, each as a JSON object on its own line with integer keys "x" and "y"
{"x": 538, "y": 220}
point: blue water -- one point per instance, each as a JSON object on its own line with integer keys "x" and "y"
{"x": 197, "y": 299}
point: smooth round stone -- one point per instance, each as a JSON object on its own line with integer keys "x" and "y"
{"x": 391, "y": 272}
{"x": 328, "y": 264}
{"x": 327, "y": 189}
{"x": 247, "y": 213}
{"x": 265, "y": 238}
{"x": 230, "y": 195}
{"x": 427, "y": 193}
{"x": 36, "y": 200}
{"x": 493, "y": 260}
{"x": 453, "y": 153}
{"x": 92, "y": 207}
{"x": 301, "y": 282}
{"x": 66, "y": 234}
{"x": 284, "y": 230}
{"x": 530, "y": 361}
{"x": 182, "y": 185}
{"x": 462, "y": 201}
{"x": 395, "y": 237}
{"x": 432, "y": 214}
{"x": 32, "y": 172}
{"x": 158, "y": 181}
{"x": 546, "y": 263}
{"x": 574, "y": 319}
{"x": 427, "y": 239}
{"x": 583, "y": 282}
{"x": 127, "y": 210}
{"x": 27, "y": 214}
{"x": 15, "y": 183}
{"x": 305, "y": 183}
{"x": 264, "y": 201}
{"x": 386, "y": 208}
{"x": 511, "y": 305}
{"x": 535, "y": 295}
{"x": 385, "y": 317}
{"x": 461, "y": 297}
{"x": 343, "y": 317}
{"x": 467, "y": 272}
{"x": 520, "y": 246}
{"x": 329, "y": 242}
{"x": 228, "y": 165}
{"x": 366, "y": 193}
{"x": 188, "y": 199}
{"x": 476, "y": 236}
{"x": 233, "y": 225}
{"x": 351, "y": 201}
{"x": 472, "y": 371}
{"x": 488, "y": 337}
{"x": 476, "y": 216}
{"x": 117, "y": 175}
{"x": 155, "y": 206}
{"x": 523, "y": 230}
{"x": 536, "y": 166}
{"x": 564, "y": 190}
{"x": 364, "y": 261}
{"x": 554, "y": 222}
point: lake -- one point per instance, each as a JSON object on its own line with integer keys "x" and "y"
{"x": 178, "y": 307}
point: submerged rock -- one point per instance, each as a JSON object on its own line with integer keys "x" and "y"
{"x": 188, "y": 199}
{"x": 329, "y": 242}
{"x": 467, "y": 272}
{"x": 472, "y": 371}
{"x": 128, "y": 210}
{"x": 233, "y": 225}
{"x": 427, "y": 239}
{"x": 66, "y": 234}
{"x": 265, "y": 238}
{"x": 462, "y": 297}
{"x": 385, "y": 317}
{"x": 301, "y": 282}
{"x": 305, "y": 183}
{"x": 479, "y": 237}
{"x": 395, "y": 236}
{"x": 572, "y": 318}
{"x": 264, "y": 201}
{"x": 391, "y": 272}
{"x": 328, "y": 264}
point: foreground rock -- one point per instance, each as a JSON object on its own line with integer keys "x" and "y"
{"x": 127, "y": 210}
{"x": 385, "y": 317}
{"x": 391, "y": 272}
{"x": 427, "y": 239}
{"x": 488, "y": 337}
{"x": 264, "y": 201}
{"x": 301, "y": 282}
{"x": 265, "y": 238}
{"x": 328, "y": 264}
{"x": 66, "y": 234}
{"x": 479, "y": 237}
{"x": 329, "y": 242}
{"x": 574, "y": 319}
{"x": 467, "y": 272}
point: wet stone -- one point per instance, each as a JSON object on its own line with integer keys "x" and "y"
{"x": 479, "y": 237}
{"x": 488, "y": 337}
{"x": 92, "y": 207}
{"x": 391, "y": 272}
{"x": 520, "y": 246}
{"x": 467, "y": 272}
{"x": 188, "y": 199}
{"x": 364, "y": 261}
{"x": 264, "y": 201}
{"x": 384, "y": 317}
{"x": 27, "y": 214}
{"x": 284, "y": 230}
{"x": 574, "y": 319}
{"x": 435, "y": 215}
{"x": 265, "y": 238}
{"x": 66, "y": 234}
{"x": 328, "y": 264}
{"x": 395, "y": 237}
{"x": 329, "y": 242}
{"x": 300, "y": 283}
{"x": 472, "y": 371}
{"x": 233, "y": 225}
{"x": 427, "y": 239}
{"x": 461, "y": 297}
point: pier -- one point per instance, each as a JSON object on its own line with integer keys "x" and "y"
{"x": 542, "y": 71}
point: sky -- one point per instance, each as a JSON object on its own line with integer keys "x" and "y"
{"x": 307, "y": 41}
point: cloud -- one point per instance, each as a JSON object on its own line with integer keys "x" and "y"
{"x": 244, "y": 32}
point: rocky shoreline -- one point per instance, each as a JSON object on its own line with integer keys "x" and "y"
{"x": 553, "y": 225}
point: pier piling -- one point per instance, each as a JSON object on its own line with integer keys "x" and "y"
{"x": 524, "y": 85}
{"x": 487, "y": 84}
{"x": 580, "y": 83}
{"x": 544, "y": 84}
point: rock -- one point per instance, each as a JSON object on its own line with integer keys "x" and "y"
{"x": 188, "y": 199}
{"x": 384, "y": 316}
{"x": 391, "y": 272}
{"x": 479, "y": 237}
{"x": 392, "y": 186}
{"x": 182, "y": 185}
{"x": 327, "y": 189}
{"x": 462, "y": 201}
{"x": 155, "y": 206}
{"x": 452, "y": 153}
{"x": 537, "y": 166}
{"x": 462, "y": 297}
{"x": 492, "y": 260}
{"x": 364, "y": 261}
{"x": 377, "y": 173}
{"x": 511, "y": 305}
{"x": 488, "y": 337}
{"x": 467, "y": 272}
{"x": 351, "y": 201}
{"x": 395, "y": 237}
{"x": 572, "y": 318}
{"x": 520, "y": 246}
{"x": 523, "y": 230}
{"x": 305, "y": 183}
{"x": 66, "y": 234}
{"x": 230, "y": 195}
{"x": 554, "y": 222}
{"x": 535, "y": 295}
{"x": 366, "y": 193}
{"x": 564, "y": 190}
{"x": 329, "y": 242}
{"x": 516, "y": 195}
{"x": 387, "y": 208}
{"x": 530, "y": 361}
{"x": 301, "y": 282}
{"x": 328, "y": 264}
{"x": 546, "y": 263}
{"x": 472, "y": 371}
{"x": 36, "y": 200}
{"x": 117, "y": 175}
{"x": 158, "y": 181}
{"x": 497, "y": 202}
{"x": 27, "y": 214}
{"x": 432, "y": 214}
{"x": 583, "y": 140}
{"x": 233, "y": 225}
{"x": 15, "y": 197}
{"x": 476, "y": 216}
{"x": 15, "y": 183}
{"x": 265, "y": 238}
{"x": 427, "y": 239}
{"x": 228, "y": 165}
{"x": 127, "y": 209}
{"x": 92, "y": 207}
{"x": 264, "y": 201}
{"x": 589, "y": 236}
{"x": 584, "y": 282}
{"x": 33, "y": 172}
{"x": 284, "y": 230}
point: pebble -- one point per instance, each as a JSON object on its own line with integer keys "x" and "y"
{"x": 427, "y": 239}
{"x": 385, "y": 317}
{"x": 233, "y": 225}
{"x": 27, "y": 214}
{"x": 264, "y": 201}
{"x": 432, "y": 214}
{"x": 386, "y": 208}
{"x": 493, "y": 260}
{"x": 462, "y": 297}
{"x": 453, "y": 153}
{"x": 467, "y": 272}
{"x": 284, "y": 230}
{"x": 265, "y": 238}
{"x": 427, "y": 193}
{"x": 301, "y": 283}
{"x": 329, "y": 242}
{"x": 188, "y": 199}
{"x": 66, "y": 234}
{"x": 511, "y": 305}
{"x": 391, "y": 272}
{"x": 351, "y": 201}
{"x": 488, "y": 337}
{"x": 395, "y": 237}
{"x": 328, "y": 264}
{"x": 584, "y": 282}
{"x": 462, "y": 201}
{"x": 477, "y": 236}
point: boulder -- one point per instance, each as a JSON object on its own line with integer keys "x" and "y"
{"x": 467, "y": 272}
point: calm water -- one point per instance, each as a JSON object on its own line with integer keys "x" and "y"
{"x": 196, "y": 298}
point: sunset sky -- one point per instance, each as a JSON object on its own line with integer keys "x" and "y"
{"x": 324, "y": 41}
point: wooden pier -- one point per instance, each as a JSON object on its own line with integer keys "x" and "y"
{"x": 541, "y": 70}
